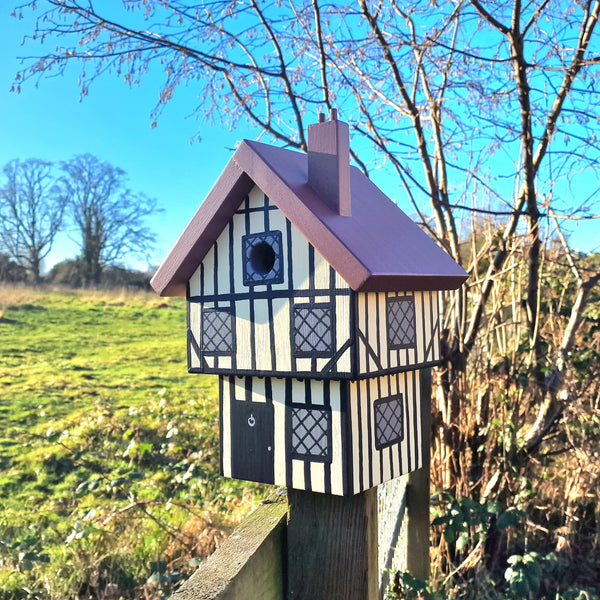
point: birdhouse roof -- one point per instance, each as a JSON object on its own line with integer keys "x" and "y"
{"x": 376, "y": 248}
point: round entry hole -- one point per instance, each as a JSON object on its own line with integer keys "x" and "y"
{"x": 262, "y": 258}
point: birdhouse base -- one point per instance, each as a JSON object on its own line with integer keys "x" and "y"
{"x": 335, "y": 437}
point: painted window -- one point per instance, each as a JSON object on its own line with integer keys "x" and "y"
{"x": 311, "y": 433}
{"x": 313, "y": 330}
{"x": 217, "y": 331}
{"x": 389, "y": 421}
{"x": 262, "y": 258}
{"x": 401, "y": 322}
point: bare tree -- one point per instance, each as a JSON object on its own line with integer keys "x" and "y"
{"x": 31, "y": 213}
{"x": 109, "y": 218}
{"x": 461, "y": 102}
{"x": 487, "y": 115}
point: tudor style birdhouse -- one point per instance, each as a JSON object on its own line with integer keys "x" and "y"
{"x": 316, "y": 300}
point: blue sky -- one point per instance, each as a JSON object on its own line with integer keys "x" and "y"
{"x": 113, "y": 123}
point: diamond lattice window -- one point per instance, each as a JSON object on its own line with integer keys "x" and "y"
{"x": 313, "y": 330}
{"x": 311, "y": 433}
{"x": 389, "y": 421}
{"x": 217, "y": 331}
{"x": 401, "y": 322}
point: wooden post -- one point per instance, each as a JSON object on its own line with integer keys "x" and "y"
{"x": 247, "y": 565}
{"x": 332, "y": 546}
{"x": 418, "y": 494}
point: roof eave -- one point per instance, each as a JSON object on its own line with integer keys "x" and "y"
{"x": 205, "y": 226}
{"x": 407, "y": 283}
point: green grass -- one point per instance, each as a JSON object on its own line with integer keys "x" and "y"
{"x": 108, "y": 447}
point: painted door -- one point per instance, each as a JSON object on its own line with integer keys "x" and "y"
{"x": 252, "y": 441}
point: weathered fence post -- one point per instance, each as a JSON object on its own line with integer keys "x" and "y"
{"x": 248, "y": 565}
{"x": 332, "y": 546}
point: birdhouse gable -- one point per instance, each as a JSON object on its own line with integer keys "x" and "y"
{"x": 265, "y": 301}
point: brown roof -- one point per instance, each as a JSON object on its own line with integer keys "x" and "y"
{"x": 378, "y": 248}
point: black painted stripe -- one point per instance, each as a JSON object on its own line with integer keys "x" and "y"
{"x": 378, "y": 325}
{"x": 232, "y": 306}
{"x": 334, "y": 319}
{"x": 434, "y": 338}
{"x": 434, "y": 323}
{"x": 216, "y": 273}
{"x": 331, "y": 363}
{"x": 232, "y": 395}
{"x": 405, "y": 417}
{"x": 416, "y": 422}
{"x": 188, "y": 327}
{"x": 270, "y": 294}
{"x": 289, "y": 293}
{"x": 311, "y": 291}
{"x": 250, "y": 295}
{"x": 327, "y": 465}
{"x": 353, "y": 329}
{"x": 369, "y": 404}
{"x": 311, "y": 270}
{"x": 231, "y": 257}
{"x": 244, "y": 211}
{"x": 290, "y": 266}
{"x": 361, "y": 466}
{"x": 221, "y": 440}
{"x": 381, "y": 454}
{"x": 387, "y": 331}
{"x": 247, "y": 213}
{"x": 248, "y": 389}
{"x": 307, "y": 476}
{"x": 392, "y": 448}
{"x": 370, "y": 352}
{"x": 270, "y": 300}
{"x": 253, "y": 348}
{"x": 307, "y": 392}
{"x": 302, "y": 374}
{"x": 364, "y": 335}
{"x": 288, "y": 433}
{"x": 347, "y": 449}
{"x": 407, "y": 413}
{"x": 422, "y": 343}
{"x": 265, "y": 210}
{"x": 195, "y": 346}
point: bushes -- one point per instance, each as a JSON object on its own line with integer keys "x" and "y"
{"x": 70, "y": 273}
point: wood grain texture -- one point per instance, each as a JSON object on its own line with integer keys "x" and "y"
{"x": 332, "y": 546}
{"x": 247, "y": 566}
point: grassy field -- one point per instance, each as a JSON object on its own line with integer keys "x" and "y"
{"x": 109, "y": 481}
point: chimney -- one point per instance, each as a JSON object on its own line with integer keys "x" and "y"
{"x": 329, "y": 162}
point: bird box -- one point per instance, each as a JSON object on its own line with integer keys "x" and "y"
{"x": 315, "y": 300}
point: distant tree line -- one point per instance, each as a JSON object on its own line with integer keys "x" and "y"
{"x": 87, "y": 199}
